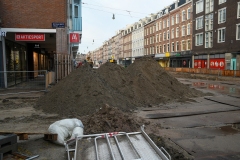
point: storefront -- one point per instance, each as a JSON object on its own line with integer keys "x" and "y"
{"x": 181, "y": 59}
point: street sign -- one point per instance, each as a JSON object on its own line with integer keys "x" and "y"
{"x": 58, "y": 25}
{"x": 3, "y": 34}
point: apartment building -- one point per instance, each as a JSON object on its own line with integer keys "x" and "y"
{"x": 119, "y": 47}
{"x": 149, "y": 35}
{"x": 138, "y": 39}
{"x": 127, "y": 45}
{"x": 35, "y": 32}
{"x": 174, "y": 34}
{"x": 216, "y": 34}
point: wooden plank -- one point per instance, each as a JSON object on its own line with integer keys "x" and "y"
{"x": 23, "y": 136}
{"x": 50, "y": 137}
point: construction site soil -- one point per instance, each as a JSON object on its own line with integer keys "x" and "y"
{"x": 106, "y": 99}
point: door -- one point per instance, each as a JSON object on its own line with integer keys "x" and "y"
{"x": 233, "y": 64}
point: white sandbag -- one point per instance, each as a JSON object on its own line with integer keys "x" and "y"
{"x": 64, "y": 128}
{"x": 77, "y": 131}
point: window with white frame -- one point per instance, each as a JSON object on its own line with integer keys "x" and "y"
{"x": 177, "y": 46}
{"x": 177, "y": 18}
{"x": 156, "y": 26}
{"x": 183, "y": 30}
{"x": 160, "y": 25}
{"x": 164, "y": 24}
{"x": 160, "y": 49}
{"x": 209, "y": 6}
{"x": 172, "y": 35}
{"x": 160, "y": 37}
{"x": 164, "y": 36}
{"x": 164, "y": 48}
{"x": 221, "y": 35}
{"x": 188, "y": 29}
{"x": 183, "y": 15}
{"x": 222, "y": 15}
{"x": 221, "y": 1}
{"x": 238, "y": 12}
{"x": 168, "y": 47}
{"x": 147, "y": 41}
{"x": 157, "y": 51}
{"x": 147, "y": 31}
{"x": 168, "y": 21}
{"x": 238, "y": 32}
{"x": 209, "y": 22}
{"x": 199, "y": 6}
{"x": 168, "y": 35}
{"x": 209, "y": 39}
{"x": 177, "y": 32}
{"x": 188, "y": 44}
{"x": 157, "y": 38}
{"x": 172, "y": 46}
{"x": 199, "y": 23}
{"x": 150, "y": 30}
{"x": 183, "y": 46}
{"x": 153, "y": 29}
{"x": 172, "y": 23}
{"x": 199, "y": 39}
{"x": 188, "y": 13}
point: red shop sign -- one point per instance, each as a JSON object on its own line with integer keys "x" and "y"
{"x": 30, "y": 37}
{"x": 218, "y": 63}
{"x": 74, "y": 37}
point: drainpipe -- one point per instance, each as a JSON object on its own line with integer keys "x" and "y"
{"x": 4, "y": 62}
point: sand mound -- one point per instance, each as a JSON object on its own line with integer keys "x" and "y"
{"x": 86, "y": 90}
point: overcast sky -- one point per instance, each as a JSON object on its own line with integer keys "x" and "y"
{"x": 97, "y": 22}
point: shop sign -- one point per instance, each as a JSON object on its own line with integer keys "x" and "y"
{"x": 29, "y": 37}
{"x": 218, "y": 63}
{"x": 74, "y": 37}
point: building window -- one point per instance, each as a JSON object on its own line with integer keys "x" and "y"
{"x": 221, "y": 35}
{"x": 150, "y": 30}
{"x": 238, "y": 32}
{"x": 172, "y": 46}
{"x": 183, "y": 15}
{"x": 168, "y": 21}
{"x": 177, "y": 18}
{"x": 199, "y": 23}
{"x": 172, "y": 33}
{"x": 150, "y": 40}
{"x": 189, "y": 44}
{"x": 75, "y": 11}
{"x": 199, "y": 39}
{"x": 221, "y": 15}
{"x": 177, "y": 46}
{"x": 222, "y": 1}
{"x": 172, "y": 20}
{"x": 168, "y": 34}
{"x": 199, "y": 6}
{"x": 160, "y": 25}
{"x": 160, "y": 49}
{"x": 156, "y": 26}
{"x": 164, "y": 48}
{"x": 147, "y": 31}
{"x": 208, "y": 39}
{"x": 164, "y": 24}
{"x": 168, "y": 47}
{"x": 164, "y": 36}
{"x": 157, "y": 50}
{"x": 188, "y": 29}
{"x": 183, "y": 30}
{"x": 209, "y": 6}
{"x": 238, "y": 12}
{"x": 157, "y": 38}
{"x": 183, "y": 46}
{"x": 177, "y": 32}
{"x": 209, "y": 22}
{"x": 188, "y": 13}
{"x": 160, "y": 37}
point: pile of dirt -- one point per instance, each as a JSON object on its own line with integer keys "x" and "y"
{"x": 86, "y": 90}
{"x": 112, "y": 119}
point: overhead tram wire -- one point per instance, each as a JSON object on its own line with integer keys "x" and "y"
{"x": 111, "y": 12}
{"x": 114, "y": 8}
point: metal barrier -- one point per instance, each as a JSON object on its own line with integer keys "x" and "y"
{"x": 17, "y": 82}
{"x": 218, "y": 72}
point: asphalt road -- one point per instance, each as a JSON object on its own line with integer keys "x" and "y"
{"x": 208, "y": 128}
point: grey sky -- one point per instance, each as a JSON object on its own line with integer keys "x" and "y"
{"x": 98, "y": 24}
